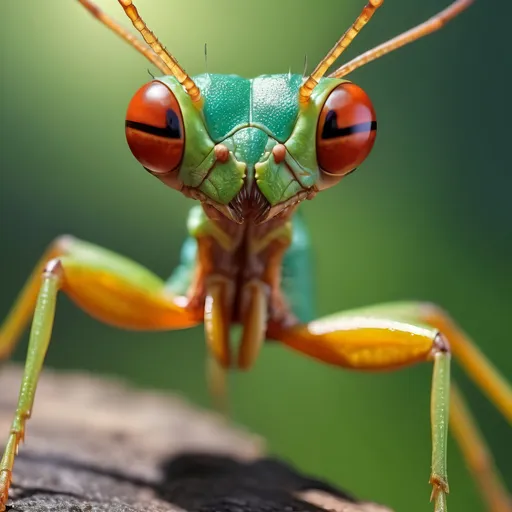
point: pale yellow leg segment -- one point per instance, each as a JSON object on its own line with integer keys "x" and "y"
{"x": 109, "y": 287}
{"x": 219, "y": 297}
{"x": 217, "y": 382}
{"x": 477, "y": 455}
{"x": 217, "y": 310}
{"x": 254, "y": 322}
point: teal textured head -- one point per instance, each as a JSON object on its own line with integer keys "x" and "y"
{"x": 250, "y": 148}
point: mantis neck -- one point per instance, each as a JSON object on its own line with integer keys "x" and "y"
{"x": 240, "y": 254}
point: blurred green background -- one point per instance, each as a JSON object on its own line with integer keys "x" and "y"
{"x": 428, "y": 216}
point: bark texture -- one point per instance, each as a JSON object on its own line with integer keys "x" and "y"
{"x": 97, "y": 445}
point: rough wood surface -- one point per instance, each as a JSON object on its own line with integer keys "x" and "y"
{"x": 95, "y": 444}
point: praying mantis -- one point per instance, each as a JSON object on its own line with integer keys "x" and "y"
{"x": 250, "y": 151}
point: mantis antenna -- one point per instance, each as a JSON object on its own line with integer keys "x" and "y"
{"x": 429, "y": 26}
{"x": 176, "y": 70}
{"x": 156, "y": 54}
{"x": 124, "y": 34}
{"x": 342, "y": 44}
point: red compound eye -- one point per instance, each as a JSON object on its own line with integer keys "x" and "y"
{"x": 154, "y": 128}
{"x": 346, "y": 130}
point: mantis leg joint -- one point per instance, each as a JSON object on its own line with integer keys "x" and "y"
{"x": 441, "y": 345}
{"x": 53, "y": 269}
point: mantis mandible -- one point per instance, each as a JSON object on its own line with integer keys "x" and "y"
{"x": 250, "y": 151}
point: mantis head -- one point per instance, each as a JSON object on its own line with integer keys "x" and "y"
{"x": 255, "y": 153}
{"x": 252, "y": 149}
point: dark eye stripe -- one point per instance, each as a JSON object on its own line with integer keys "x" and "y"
{"x": 171, "y": 131}
{"x": 331, "y": 130}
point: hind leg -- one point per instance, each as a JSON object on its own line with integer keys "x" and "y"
{"x": 477, "y": 455}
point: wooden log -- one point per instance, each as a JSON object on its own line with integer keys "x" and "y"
{"x": 98, "y": 445}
